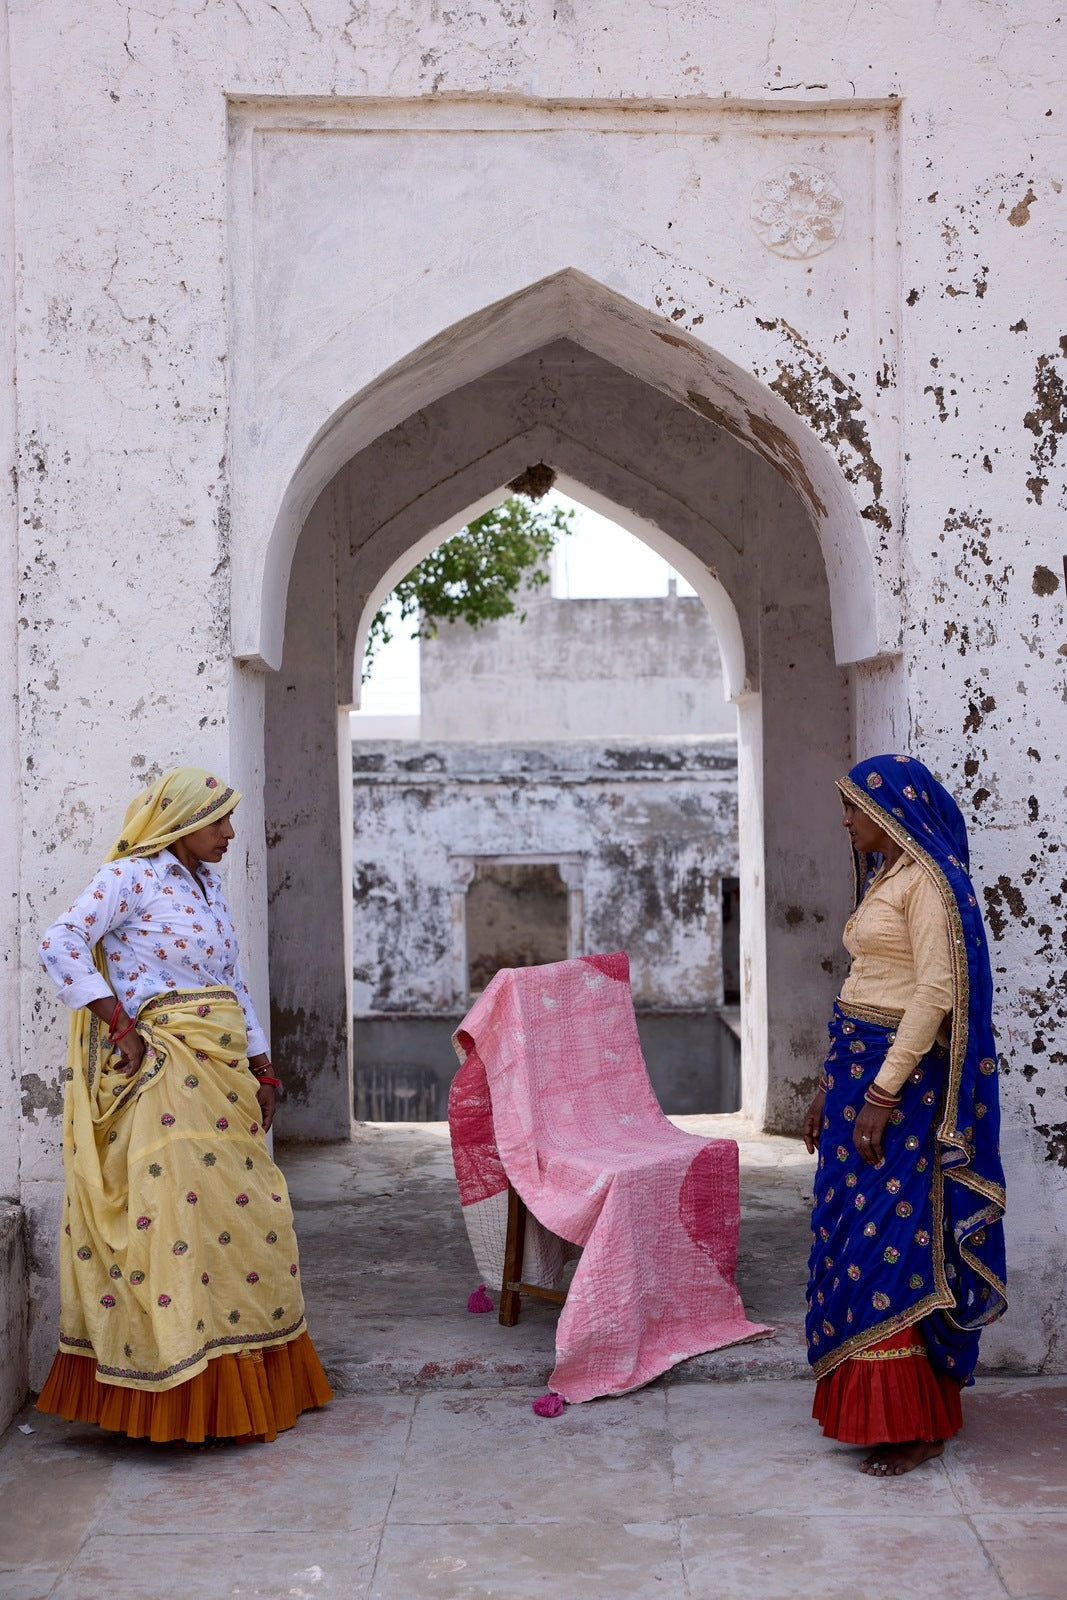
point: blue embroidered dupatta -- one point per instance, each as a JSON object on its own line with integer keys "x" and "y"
{"x": 919, "y": 1240}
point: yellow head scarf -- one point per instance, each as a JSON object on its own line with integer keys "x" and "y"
{"x": 181, "y": 801}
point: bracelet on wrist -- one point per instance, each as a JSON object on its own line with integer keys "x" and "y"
{"x": 257, "y": 1072}
{"x": 265, "y": 1077}
{"x": 824, "y": 1084}
{"x": 115, "y": 1015}
{"x": 879, "y": 1097}
{"x": 115, "y": 1038}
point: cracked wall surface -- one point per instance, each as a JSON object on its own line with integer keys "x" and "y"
{"x": 160, "y": 413}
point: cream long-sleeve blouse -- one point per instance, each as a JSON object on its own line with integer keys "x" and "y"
{"x": 898, "y": 938}
{"x": 159, "y": 932}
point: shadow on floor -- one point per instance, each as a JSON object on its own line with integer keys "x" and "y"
{"x": 387, "y": 1266}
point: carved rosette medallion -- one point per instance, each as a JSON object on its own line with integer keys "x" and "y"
{"x": 798, "y": 213}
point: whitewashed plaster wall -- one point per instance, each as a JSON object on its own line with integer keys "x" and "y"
{"x": 186, "y": 348}
{"x": 577, "y": 669}
{"x": 653, "y": 824}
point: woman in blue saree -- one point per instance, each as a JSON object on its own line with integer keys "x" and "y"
{"x": 907, "y": 1259}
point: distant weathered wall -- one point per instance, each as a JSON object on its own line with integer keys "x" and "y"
{"x": 653, "y": 824}
{"x": 577, "y": 669}
{"x": 646, "y": 830}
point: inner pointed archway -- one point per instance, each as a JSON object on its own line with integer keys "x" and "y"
{"x": 731, "y": 521}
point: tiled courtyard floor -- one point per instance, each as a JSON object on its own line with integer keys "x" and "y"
{"x": 429, "y": 1475}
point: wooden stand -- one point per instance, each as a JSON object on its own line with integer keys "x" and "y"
{"x": 512, "y": 1288}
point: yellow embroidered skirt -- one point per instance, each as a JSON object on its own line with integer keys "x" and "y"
{"x": 177, "y": 1249}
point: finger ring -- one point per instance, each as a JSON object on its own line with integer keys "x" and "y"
{"x": 865, "y": 1138}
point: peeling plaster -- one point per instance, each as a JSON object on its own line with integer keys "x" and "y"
{"x": 1048, "y": 419}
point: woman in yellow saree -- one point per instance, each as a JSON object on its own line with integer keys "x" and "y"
{"x": 182, "y": 1315}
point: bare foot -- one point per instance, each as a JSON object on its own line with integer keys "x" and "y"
{"x": 892, "y": 1460}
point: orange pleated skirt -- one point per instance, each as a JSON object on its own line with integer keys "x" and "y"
{"x": 254, "y": 1395}
{"x": 888, "y": 1394}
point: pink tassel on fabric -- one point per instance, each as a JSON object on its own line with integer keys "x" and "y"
{"x": 479, "y": 1300}
{"x": 549, "y": 1405}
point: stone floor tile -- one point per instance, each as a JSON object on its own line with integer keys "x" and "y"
{"x": 53, "y": 1484}
{"x": 505, "y": 1464}
{"x": 272, "y": 1566}
{"x": 740, "y": 1448}
{"x": 335, "y": 1470}
{"x": 605, "y": 1559}
{"x": 879, "y": 1557}
{"x": 1030, "y": 1553}
{"x": 1012, "y": 1453}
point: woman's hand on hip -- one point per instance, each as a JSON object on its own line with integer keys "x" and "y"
{"x": 267, "y": 1096}
{"x": 813, "y": 1122}
{"x": 869, "y": 1132}
{"x": 132, "y": 1051}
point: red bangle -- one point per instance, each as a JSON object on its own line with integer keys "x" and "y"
{"x": 273, "y": 1083}
{"x": 114, "y": 1038}
{"x": 114, "y": 1018}
{"x": 879, "y": 1097}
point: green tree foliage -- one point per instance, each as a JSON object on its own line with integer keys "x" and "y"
{"x": 476, "y": 576}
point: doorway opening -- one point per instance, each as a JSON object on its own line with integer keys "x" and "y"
{"x": 572, "y": 789}
{"x": 730, "y": 509}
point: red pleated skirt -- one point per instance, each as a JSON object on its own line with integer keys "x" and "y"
{"x": 888, "y": 1394}
{"x": 254, "y": 1395}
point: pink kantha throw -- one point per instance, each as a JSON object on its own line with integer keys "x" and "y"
{"x": 553, "y": 1094}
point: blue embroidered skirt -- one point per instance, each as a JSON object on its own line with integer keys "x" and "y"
{"x": 882, "y": 1256}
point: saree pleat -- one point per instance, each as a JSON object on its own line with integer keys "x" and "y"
{"x": 891, "y": 1245}
{"x": 254, "y": 1395}
{"x": 182, "y": 1315}
{"x": 888, "y": 1395}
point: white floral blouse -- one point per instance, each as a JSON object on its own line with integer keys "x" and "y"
{"x": 158, "y": 933}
